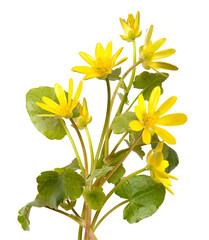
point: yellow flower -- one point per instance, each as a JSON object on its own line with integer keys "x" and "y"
{"x": 149, "y": 120}
{"x": 157, "y": 165}
{"x": 84, "y": 119}
{"x": 65, "y": 108}
{"x": 131, "y": 27}
{"x": 103, "y": 63}
{"x": 148, "y": 53}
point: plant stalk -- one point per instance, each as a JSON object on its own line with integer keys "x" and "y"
{"x": 73, "y": 145}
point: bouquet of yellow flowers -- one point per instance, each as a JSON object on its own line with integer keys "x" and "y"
{"x": 139, "y": 124}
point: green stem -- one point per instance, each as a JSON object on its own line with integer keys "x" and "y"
{"x": 80, "y": 230}
{"x": 83, "y": 147}
{"x": 75, "y": 218}
{"x": 73, "y": 145}
{"x": 109, "y": 212}
{"x": 121, "y": 161}
{"x": 108, "y": 131}
{"x": 113, "y": 190}
{"x": 104, "y": 128}
{"x": 130, "y": 82}
{"x": 106, "y": 138}
{"x": 119, "y": 142}
{"x": 90, "y": 147}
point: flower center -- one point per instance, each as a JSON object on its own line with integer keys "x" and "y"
{"x": 102, "y": 65}
{"x": 148, "y": 120}
{"x": 65, "y": 111}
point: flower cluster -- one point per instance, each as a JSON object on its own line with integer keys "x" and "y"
{"x": 51, "y": 108}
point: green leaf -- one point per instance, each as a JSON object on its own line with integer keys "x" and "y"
{"x": 68, "y": 207}
{"x": 95, "y": 197}
{"x": 48, "y": 126}
{"x": 138, "y": 148}
{"x": 24, "y": 212}
{"x": 148, "y": 81}
{"x": 56, "y": 186}
{"x": 120, "y": 123}
{"x": 121, "y": 97}
{"x": 145, "y": 197}
{"x": 115, "y": 75}
{"x": 168, "y": 153}
{"x": 99, "y": 173}
{"x": 117, "y": 175}
{"x": 73, "y": 165}
{"x": 113, "y": 160}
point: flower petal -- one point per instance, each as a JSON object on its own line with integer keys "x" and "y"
{"x": 70, "y": 91}
{"x": 77, "y": 95}
{"x": 108, "y": 52}
{"x": 125, "y": 26}
{"x": 46, "y": 107}
{"x": 46, "y": 115}
{"x": 82, "y": 69}
{"x": 140, "y": 110}
{"x": 121, "y": 61}
{"x": 60, "y": 94}
{"x": 148, "y": 36}
{"x": 159, "y": 147}
{"x": 163, "y": 54}
{"x": 166, "y": 105}
{"x": 90, "y": 60}
{"x": 174, "y": 119}
{"x": 99, "y": 51}
{"x": 170, "y": 176}
{"x": 136, "y": 22}
{"x": 163, "y": 65}
{"x": 156, "y": 45}
{"x": 116, "y": 55}
{"x": 50, "y": 103}
{"x": 154, "y": 99}
{"x": 165, "y": 135}
{"x": 146, "y": 135}
{"x": 136, "y": 125}
{"x": 156, "y": 160}
{"x": 166, "y": 183}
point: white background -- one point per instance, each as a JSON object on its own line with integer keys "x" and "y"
{"x": 39, "y": 45}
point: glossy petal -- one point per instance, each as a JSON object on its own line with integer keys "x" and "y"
{"x": 159, "y": 147}
{"x": 99, "y": 51}
{"x": 82, "y": 69}
{"x": 77, "y": 95}
{"x": 148, "y": 36}
{"x": 163, "y": 65}
{"x": 94, "y": 74}
{"x": 136, "y": 125}
{"x": 60, "y": 94}
{"x": 90, "y": 60}
{"x": 166, "y": 105}
{"x": 46, "y": 115}
{"x": 158, "y": 44}
{"x": 46, "y": 107}
{"x": 154, "y": 99}
{"x": 121, "y": 61}
{"x": 108, "y": 52}
{"x": 125, "y": 26}
{"x": 165, "y": 135}
{"x": 116, "y": 55}
{"x": 136, "y": 22}
{"x": 146, "y": 135}
{"x": 156, "y": 159}
{"x": 70, "y": 91}
{"x": 50, "y": 103}
{"x": 174, "y": 119}
{"x": 163, "y": 54}
{"x": 140, "y": 110}
{"x": 166, "y": 182}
